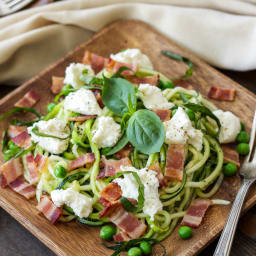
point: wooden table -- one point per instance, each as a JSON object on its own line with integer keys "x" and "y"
{"x": 15, "y": 240}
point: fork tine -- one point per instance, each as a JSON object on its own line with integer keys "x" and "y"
{"x": 252, "y": 138}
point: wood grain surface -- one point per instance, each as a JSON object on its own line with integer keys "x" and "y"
{"x": 78, "y": 240}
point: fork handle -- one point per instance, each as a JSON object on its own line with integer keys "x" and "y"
{"x": 225, "y": 242}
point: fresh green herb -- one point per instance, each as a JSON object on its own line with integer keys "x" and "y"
{"x": 10, "y": 150}
{"x": 190, "y": 114}
{"x": 115, "y": 95}
{"x": 90, "y": 222}
{"x": 70, "y": 178}
{"x": 178, "y": 57}
{"x": 50, "y": 107}
{"x": 204, "y": 111}
{"x": 19, "y": 109}
{"x": 120, "y": 144}
{"x": 35, "y": 130}
{"x": 146, "y": 131}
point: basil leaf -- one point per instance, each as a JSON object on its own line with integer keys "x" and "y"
{"x": 146, "y": 131}
{"x": 19, "y": 109}
{"x": 178, "y": 57}
{"x": 115, "y": 95}
{"x": 120, "y": 144}
{"x": 35, "y": 130}
{"x": 204, "y": 111}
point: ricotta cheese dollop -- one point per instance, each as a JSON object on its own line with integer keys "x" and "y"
{"x": 230, "y": 126}
{"x": 82, "y": 101}
{"x": 179, "y": 130}
{"x": 153, "y": 97}
{"x": 129, "y": 187}
{"x": 133, "y": 56}
{"x": 53, "y": 127}
{"x": 107, "y": 132}
{"x": 81, "y": 204}
{"x": 73, "y": 73}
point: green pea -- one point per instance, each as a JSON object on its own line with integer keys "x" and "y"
{"x": 243, "y": 149}
{"x": 60, "y": 171}
{"x": 134, "y": 251}
{"x": 174, "y": 111}
{"x": 243, "y": 137}
{"x": 185, "y": 232}
{"x": 107, "y": 232}
{"x": 230, "y": 169}
{"x": 146, "y": 247}
{"x": 191, "y": 114}
{"x": 50, "y": 107}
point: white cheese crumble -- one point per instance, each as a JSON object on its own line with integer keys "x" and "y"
{"x": 153, "y": 97}
{"x": 230, "y": 125}
{"x": 73, "y": 73}
{"x": 133, "y": 56}
{"x": 179, "y": 130}
{"x": 82, "y": 101}
{"x": 81, "y": 204}
{"x": 53, "y": 127}
{"x": 107, "y": 132}
{"x": 129, "y": 187}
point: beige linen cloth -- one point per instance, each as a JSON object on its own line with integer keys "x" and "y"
{"x": 222, "y": 32}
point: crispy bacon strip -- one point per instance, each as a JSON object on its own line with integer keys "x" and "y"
{"x": 10, "y": 171}
{"x": 109, "y": 207}
{"x": 111, "y": 192}
{"x": 22, "y": 140}
{"x": 23, "y": 188}
{"x": 152, "y": 80}
{"x": 81, "y": 161}
{"x": 97, "y": 62}
{"x": 230, "y": 155}
{"x": 164, "y": 114}
{"x": 127, "y": 222}
{"x": 156, "y": 167}
{"x": 219, "y": 93}
{"x": 57, "y": 84}
{"x": 35, "y": 164}
{"x": 125, "y": 152}
{"x": 196, "y": 212}
{"x": 81, "y": 118}
{"x": 113, "y": 66}
{"x": 14, "y": 130}
{"x": 28, "y": 100}
{"x": 50, "y": 211}
{"x": 111, "y": 167}
{"x": 121, "y": 237}
{"x": 175, "y": 162}
{"x": 184, "y": 84}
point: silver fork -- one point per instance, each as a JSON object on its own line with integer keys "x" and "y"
{"x": 11, "y": 6}
{"x": 248, "y": 171}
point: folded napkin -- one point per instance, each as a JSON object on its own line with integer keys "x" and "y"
{"x": 221, "y": 32}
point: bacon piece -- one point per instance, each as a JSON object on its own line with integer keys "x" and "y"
{"x": 196, "y": 212}
{"x": 57, "y": 84}
{"x": 22, "y": 140}
{"x": 34, "y": 166}
{"x": 23, "y": 188}
{"x": 219, "y": 93}
{"x": 81, "y": 161}
{"x": 28, "y": 100}
{"x": 81, "y": 118}
{"x": 127, "y": 222}
{"x": 125, "y": 152}
{"x": 14, "y": 130}
{"x": 109, "y": 207}
{"x": 111, "y": 167}
{"x": 230, "y": 155}
{"x": 175, "y": 162}
{"x": 184, "y": 84}
{"x": 10, "y": 171}
{"x": 98, "y": 97}
{"x": 97, "y": 62}
{"x": 152, "y": 80}
{"x": 156, "y": 167}
{"x": 111, "y": 192}
{"x": 121, "y": 237}
{"x": 50, "y": 211}
{"x": 113, "y": 66}
{"x": 163, "y": 114}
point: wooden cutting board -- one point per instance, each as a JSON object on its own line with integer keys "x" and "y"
{"x": 73, "y": 239}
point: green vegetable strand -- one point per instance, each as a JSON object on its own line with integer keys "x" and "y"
{"x": 19, "y": 109}
{"x": 35, "y": 130}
